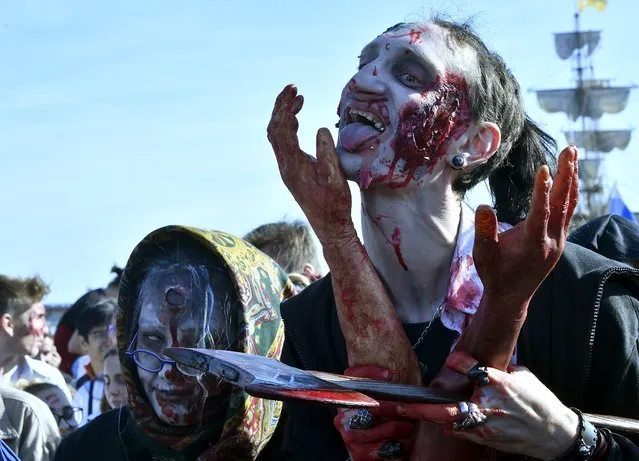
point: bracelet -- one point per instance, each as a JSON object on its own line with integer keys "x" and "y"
{"x": 588, "y": 439}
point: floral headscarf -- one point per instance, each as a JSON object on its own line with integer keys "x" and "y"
{"x": 260, "y": 286}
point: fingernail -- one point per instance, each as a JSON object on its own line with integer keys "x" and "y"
{"x": 401, "y": 411}
{"x": 386, "y": 374}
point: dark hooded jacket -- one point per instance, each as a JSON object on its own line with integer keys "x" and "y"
{"x": 580, "y": 339}
{"x": 612, "y": 236}
{"x": 135, "y": 433}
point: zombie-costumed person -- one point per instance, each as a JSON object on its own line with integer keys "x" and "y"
{"x": 184, "y": 287}
{"x": 545, "y": 329}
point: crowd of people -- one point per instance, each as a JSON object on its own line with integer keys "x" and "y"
{"x": 76, "y": 375}
{"x": 497, "y": 302}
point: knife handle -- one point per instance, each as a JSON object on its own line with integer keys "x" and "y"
{"x": 614, "y": 423}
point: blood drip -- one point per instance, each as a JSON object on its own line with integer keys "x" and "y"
{"x": 396, "y": 238}
{"x": 365, "y": 178}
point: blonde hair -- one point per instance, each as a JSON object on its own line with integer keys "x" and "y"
{"x": 19, "y": 294}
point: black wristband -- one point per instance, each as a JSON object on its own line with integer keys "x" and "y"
{"x": 586, "y": 443}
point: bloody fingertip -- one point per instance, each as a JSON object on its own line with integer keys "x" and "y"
{"x": 484, "y": 220}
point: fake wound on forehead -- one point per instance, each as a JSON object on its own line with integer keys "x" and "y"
{"x": 175, "y": 298}
{"x": 413, "y": 32}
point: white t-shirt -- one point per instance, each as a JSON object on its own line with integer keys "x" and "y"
{"x": 77, "y": 368}
{"x": 89, "y": 397}
{"x": 32, "y": 369}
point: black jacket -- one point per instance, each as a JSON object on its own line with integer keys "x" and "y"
{"x": 113, "y": 436}
{"x": 612, "y": 236}
{"x": 580, "y": 338}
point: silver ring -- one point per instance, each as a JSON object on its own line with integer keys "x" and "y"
{"x": 362, "y": 419}
{"x": 472, "y": 418}
{"x": 463, "y": 409}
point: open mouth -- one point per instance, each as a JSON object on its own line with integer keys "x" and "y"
{"x": 366, "y": 118}
{"x": 360, "y": 127}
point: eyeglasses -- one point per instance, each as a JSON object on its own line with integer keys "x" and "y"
{"x": 153, "y": 363}
{"x": 72, "y": 415}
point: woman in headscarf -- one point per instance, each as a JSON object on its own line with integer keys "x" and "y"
{"x": 185, "y": 287}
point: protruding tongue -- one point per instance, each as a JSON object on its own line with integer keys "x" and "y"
{"x": 353, "y": 136}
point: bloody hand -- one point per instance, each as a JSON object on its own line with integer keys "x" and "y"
{"x": 520, "y": 412}
{"x": 317, "y": 184}
{"x": 514, "y": 263}
{"x": 381, "y": 433}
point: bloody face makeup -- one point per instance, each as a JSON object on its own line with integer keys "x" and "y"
{"x": 403, "y": 107}
{"x": 178, "y": 309}
{"x": 30, "y": 328}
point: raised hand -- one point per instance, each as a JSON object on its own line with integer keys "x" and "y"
{"x": 514, "y": 263}
{"x": 317, "y": 183}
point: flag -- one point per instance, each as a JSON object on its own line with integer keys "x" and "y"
{"x": 617, "y": 206}
{"x": 600, "y": 5}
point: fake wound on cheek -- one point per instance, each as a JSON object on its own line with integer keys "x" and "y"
{"x": 426, "y": 127}
{"x": 36, "y": 325}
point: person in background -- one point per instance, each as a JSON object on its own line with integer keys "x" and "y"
{"x": 48, "y": 352}
{"x": 27, "y": 426}
{"x": 115, "y": 393}
{"x": 97, "y": 332}
{"x": 192, "y": 288}
{"x": 67, "y": 416}
{"x": 22, "y": 330}
{"x": 429, "y": 113}
{"x": 612, "y": 236}
{"x": 113, "y": 287}
{"x": 66, "y": 339}
{"x": 291, "y": 245}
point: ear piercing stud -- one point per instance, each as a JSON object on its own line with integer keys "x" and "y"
{"x": 458, "y": 162}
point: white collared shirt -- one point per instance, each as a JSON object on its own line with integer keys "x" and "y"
{"x": 30, "y": 369}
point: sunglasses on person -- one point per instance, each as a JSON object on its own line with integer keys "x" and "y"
{"x": 72, "y": 415}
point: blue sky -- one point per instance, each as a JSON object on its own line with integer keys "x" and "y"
{"x": 119, "y": 117}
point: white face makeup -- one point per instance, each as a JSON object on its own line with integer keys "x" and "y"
{"x": 177, "y": 311}
{"x": 403, "y": 106}
{"x": 114, "y": 384}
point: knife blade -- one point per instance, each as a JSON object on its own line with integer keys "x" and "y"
{"x": 268, "y": 377}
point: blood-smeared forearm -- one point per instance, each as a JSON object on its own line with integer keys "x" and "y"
{"x": 492, "y": 335}
{"x": 371, "y": 327}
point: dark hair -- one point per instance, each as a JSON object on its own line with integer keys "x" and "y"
{"x": 289, "y": 243}
{"x": 34, "y": 388}
{"x": 89, "y": 299}
{"x": 206, "y": 269}
{"x": 100, "y": 313}
{"x": 495, "y": 96}
{"x": 115, "y": 283}
{"x": 16, "y": 293}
